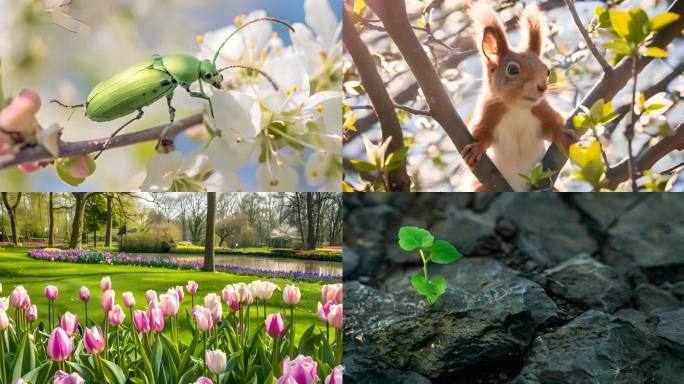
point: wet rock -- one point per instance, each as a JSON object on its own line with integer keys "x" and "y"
{"x": 670, "y": 327}
{"x": 548, "y": 230}
{"x": 350, "y": 261}
{"x": 604, "y": 209}
{"x": 648, "y": 298}
{"x": 506, "y": 228}
{"x": 637, "y": 318}
{"x": 650, "y": 239}
{"x": 599, "y": 348}
{"x": 588, "y": 283}
{"x": 483, "y": 322}
{"x": 470, "y": 233}
{"x": 370, "y": 254}
{"x": 483, "y": 200}
{"x": 678, "y": 289}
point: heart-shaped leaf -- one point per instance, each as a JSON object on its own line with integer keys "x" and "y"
{"x": 431, "y": 289}
{"x": 413, "y": 238}
{"x": 442, "y": 252}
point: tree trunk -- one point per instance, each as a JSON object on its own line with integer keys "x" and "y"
{"x": 310, "y": 232}
{"x": 209, "y": 239}
{"x": 110, "y": 214}
{"x": 77, "y": 225}
{"x": 95, "y": 238}
{"x": 12, "y": 213}
{"x": 51, "y": 220}
{"x": 299, "y": 219}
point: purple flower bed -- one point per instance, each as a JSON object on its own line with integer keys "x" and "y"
{"x": 120, "y": 258}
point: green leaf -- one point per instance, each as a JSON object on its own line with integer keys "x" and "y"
{"x": 363, "y": 166}
{"x": 442, "y": 252}
{"x": 597, "y": 109}
{"x": 432, "y": 290}
{"x": 661, "y": 21}
{"x": 115, "y": 372}
{"x": 618, "y": 47}
{"x": 655, "y": 52}
{"x": 413, "y": 238}
{"x": 438, "y": 285}
{"x": 638, "y": 25}
{"x": 590, "y": 161}
{"x": 74, "y": 170}
{"x": 620, "y": 22}
{"x": 580, "y": 121}
{"x": 396, "y": 157}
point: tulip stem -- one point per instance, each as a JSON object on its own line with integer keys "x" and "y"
{"x": 2, "y": 357}
{"x": 327, "y": 332}
{"x": 106, "y": 335}
{"x": 99, "y": 361}
{"x": 275, "y": 353}
{"x": 86, "y": 313}
{"x": 49, "y": 315}
{"x": 338, "y": 340}
{"x": 292, "y": 331}
{"x": 205, "y": 354}
{"x": 264, "y": 310}
{"x": 118, "y": 345}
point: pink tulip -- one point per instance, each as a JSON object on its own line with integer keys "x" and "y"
{"x": 107, "y": 301}
{"x": 216, "y": 361}
{"x": 203, "y": 380}
{"x": 116, "y": 316}
{"x": 169, "y": 305}
{"x": 4, "y": 303}
{"x": 141, "y": 321}
{"x": 301, "y": 370}
{"x": 180, "y": 292}
{"x": 93, "y": 340}
{"x": 275, "y": 326}
{"x": 4, "y": 320}
{"x": 335, "y": 377}
{"x": 19, "y": 381}
{"x": 59, "y": 345}
{"x": 203, "y": 318}
{"x": 32, "y": 314}
{"x": 324, "y": 310}
{"x": 19, "y": 297}
{"x": 84, "y": 294}
{"x": 156, "y": 317}
{"x": 291, "y": 295}
{"x": 151, "y": 295}
{"x": 192, "y": 287}
{"x": 213, "y": 302}
{"x": 332, "y": 292}
{"x": 106, "y": 284}
{"x": 335, "y": 317}
{"x": 128, "y": 299}
{"x": 51, "y": 292}
{"x": 62, "y": 377}
{"x": 231, "y": 298}
{"x": 69, "y": 323}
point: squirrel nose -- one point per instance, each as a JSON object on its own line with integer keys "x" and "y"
{"x": 541, "y": 88}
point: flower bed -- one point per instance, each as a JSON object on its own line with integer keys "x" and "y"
{"x": 120, "y": 258}
{"x": 320, "y": 254}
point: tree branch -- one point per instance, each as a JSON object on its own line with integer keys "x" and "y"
{"x": 608, "y": 86}
{"x": 383, "y": 105}
{"x": 395, "y": 19}
{"x": 587, "y": 39}
{"x": 77, "y": 148}
{"x": 620, "y": 172}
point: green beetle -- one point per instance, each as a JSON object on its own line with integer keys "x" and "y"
{"x": 144, "y": 83}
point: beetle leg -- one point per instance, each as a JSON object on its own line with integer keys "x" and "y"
{"x": 109, "y": 139}
{"x": 201, "y": 95}
{"x": 172, "y": 115}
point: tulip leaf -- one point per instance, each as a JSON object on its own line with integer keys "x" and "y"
{"x": 413, "y": 238}
{"x": 85, "y": 372}
{"x": 442, "y": 252}
{"x": 156, "y": 359}
{"x": 25, "y": 360}
{"x": 114, "y": 372}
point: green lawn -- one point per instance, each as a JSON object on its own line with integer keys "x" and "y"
{"x": 16, "y": 268}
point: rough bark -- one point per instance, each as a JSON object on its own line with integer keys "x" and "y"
{"x": 209, "y": 239}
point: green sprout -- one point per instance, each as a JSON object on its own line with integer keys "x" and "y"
{"x": 440, "y": 252}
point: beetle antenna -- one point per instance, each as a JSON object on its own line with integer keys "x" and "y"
{"x": 262, "y": 73}
{"x": 241, "y": 27}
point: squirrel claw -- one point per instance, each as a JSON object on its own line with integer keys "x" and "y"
{"x": 472, "y": 153}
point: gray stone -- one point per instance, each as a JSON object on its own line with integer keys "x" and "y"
{"x": 370, "y": 254}
{"x": 470, "y": 233}
{"x": 483, "y": 200}
{"x": 648, "y": 298}
{"x": 604, "y": 209}
{"x": 548, "y": 230}
{"x": 599, "y": 348}
{"x": 670, "y": 326}
{"x": 650, "y": 239}
{"x": 678, "y": 289}
{"x": 588, "y": 283}
{"x": 350, "y": 261}
{"x": 637, "y": 318}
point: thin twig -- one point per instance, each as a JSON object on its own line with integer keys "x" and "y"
{"x": 587, "y": 39}
{"x": 68, "y": 149}
{"x": 629, "y": 132}
{"x": 408, "y": 109}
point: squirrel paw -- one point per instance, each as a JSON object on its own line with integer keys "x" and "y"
{"x": 567, "y": 137}
{"x": 472, "y": 153}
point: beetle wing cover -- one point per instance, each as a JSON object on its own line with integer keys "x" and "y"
{"x": 128, "y": 93}
{"x": 121, "y": 77}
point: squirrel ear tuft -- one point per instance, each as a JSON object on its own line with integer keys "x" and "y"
{"x": 533, "y": 29}
{"x": 491, "y": 35}
{"x": 493, "y": 46}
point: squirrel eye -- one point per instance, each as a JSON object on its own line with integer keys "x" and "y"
{"x": 513, "y": 69}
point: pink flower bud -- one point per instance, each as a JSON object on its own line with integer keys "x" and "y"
{"x": 151, "y": 296}
{"x": 335, "y": 377}
{"x": 335, "y": 317}
{"x": 231, "y": 298}
{"x": 128, "y": 299}
{"x": 324, "y": 310}
{"x": 275, "y": 326}
{"x": 84, "y": 294}
{"x": 51, "y": 292}
{"x": 19, "y": 116}
{"x": 59, "y": 345}
{"x": 32, "y": 314}
{"x": 203, "y": 318}
{"x": 20, "y": 298}
{"x": 291, "y": 295}
{"x": 301, "y": 370}
{"x": 180, "y": 293}
{"x": 156, "y": 317}
{"x": 169, "y": 305}
{"x": 116, "y": 316}
{"x": 107, "y": 301}
{"x": 216, "y": 361}
{"x": 29, "y": 167}
{"x": 141, "y": 321}
{"x": 93, "y": 340}
{"x": 192, "y": 287}
{"x": 62, "y": 377}
{"x": 69, "y": 323}
{"x": 332, "y": 292}
{"x": 106, "y": 283}
{"x": 4, "y": 303}
{"x": 4, "y": 320}
{"x": 203, "y": 380}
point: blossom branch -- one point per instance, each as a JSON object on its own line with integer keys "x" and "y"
{"x": 608, "y": 86}
{"x": 398, "y": 179}
{"x": 68, "y": 149}
{"x": 395, "y": 19}
{"x": 587, "y": 39}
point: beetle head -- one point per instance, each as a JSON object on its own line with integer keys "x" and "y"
{"x": 209, "y": 74}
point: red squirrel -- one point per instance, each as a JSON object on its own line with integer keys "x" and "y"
{"x": 512, "y": 117}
